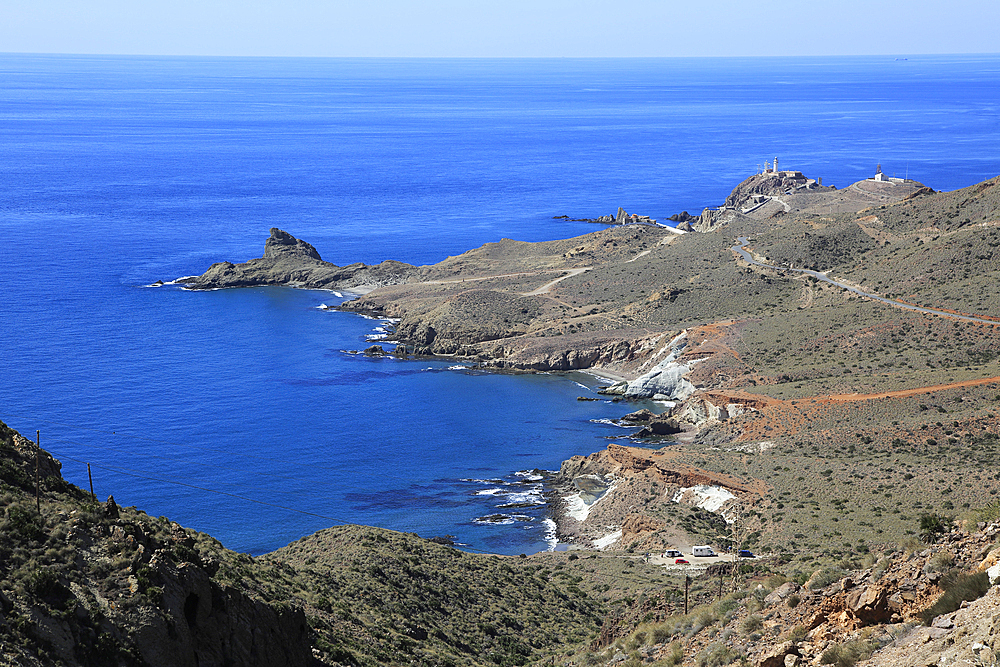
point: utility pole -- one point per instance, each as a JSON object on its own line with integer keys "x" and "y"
{"x": 91, "y": 478}
{"x": 38, "y": 465}
{"x": 687, "y": 583}
{"x": 736, "y": 545}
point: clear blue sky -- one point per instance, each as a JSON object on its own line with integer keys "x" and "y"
{"x": 499, "y": 28}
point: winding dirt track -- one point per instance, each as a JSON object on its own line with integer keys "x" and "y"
{"x": 544, "y": 289}
{"x": 909, "y": 392}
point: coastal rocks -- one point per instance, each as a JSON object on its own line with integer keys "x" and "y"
{"x": 282, "y": 245}
{"x": 567, "y": 353}
{"x": 473, "y": 316}
{"x": 642, "y": 483}
{"x": 707, "y": 221}
{"x": 652, "y": 425}
{"x": 292, "y": 262}
{"x": 623, "y": 218}
{"x": 620, "y": 218}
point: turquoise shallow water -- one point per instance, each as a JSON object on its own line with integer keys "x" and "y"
{"x": 238, "y": 412}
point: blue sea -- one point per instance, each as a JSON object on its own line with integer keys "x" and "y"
{"x": 241, "y": 412}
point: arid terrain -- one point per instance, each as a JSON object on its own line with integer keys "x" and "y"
{"x": 815, "y": 419}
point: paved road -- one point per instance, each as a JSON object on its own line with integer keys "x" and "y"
{"x": 741, "y": 250}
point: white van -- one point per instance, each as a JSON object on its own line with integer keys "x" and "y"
{"x": 672, "y": 553}
{"x": 703, "y": 551}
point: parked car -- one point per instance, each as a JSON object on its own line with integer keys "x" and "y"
{"x": 672, "y": 553}
{"x": 681, "y": 561}
{"x": 746, "y": 553}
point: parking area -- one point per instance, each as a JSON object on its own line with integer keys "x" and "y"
{"x": 694, "y": 562}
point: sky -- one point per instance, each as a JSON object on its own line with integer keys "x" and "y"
{"x": 499, "y": 28}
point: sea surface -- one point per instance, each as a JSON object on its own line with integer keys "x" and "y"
{"x": 242, "y": 413}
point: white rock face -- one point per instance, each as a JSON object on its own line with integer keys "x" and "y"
{"x": 665, "y": 381}
{"x": 711, "y": 498}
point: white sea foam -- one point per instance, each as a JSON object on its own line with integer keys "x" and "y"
{"x": 502, "y": 519}
{"x": 550, "y": 534}
{"x": 530, "y": 475}
{"x": 534, "y": 496}
{"x": 609, "y": 422}
{"x": 583, "y": 386}
{"x": 337, "y": 294}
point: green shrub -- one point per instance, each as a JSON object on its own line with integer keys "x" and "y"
{"x": 824, "y": 577}
{"x": 941, "y": 562}
{"x": 848, "y": 653}
{"x": 25, "y": 523}
{"x": 672, "y": 659}
{"x": 717, "y": 655}
{"x": 752, "y": 623}
{"x": 932, "y": 525}
{"x": 958, "y": 587}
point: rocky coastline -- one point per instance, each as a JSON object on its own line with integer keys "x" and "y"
{"x": 673, "y": 317}
{"x": 292, "y": 262}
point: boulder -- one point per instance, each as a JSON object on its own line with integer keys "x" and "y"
{"x": 781, "y": 593}
{"x": 776, "y": 656}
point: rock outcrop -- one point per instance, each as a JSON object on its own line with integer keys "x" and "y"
{"x": 665, "y": 381}
{"x": 652, "y": 424}
{"x": 105, "y": 585}
{"x": 293, "y": 262}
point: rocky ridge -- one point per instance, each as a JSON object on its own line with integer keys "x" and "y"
{"x": 292, "y": 262}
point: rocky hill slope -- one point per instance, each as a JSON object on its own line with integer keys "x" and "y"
{"x": 92, "y": 583}
{"x": 924, "y": 604}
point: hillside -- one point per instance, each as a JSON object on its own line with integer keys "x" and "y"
{"x": 819, "y": 427}
{"x": 88, "y": 583}
{"x": 93, "y": 583}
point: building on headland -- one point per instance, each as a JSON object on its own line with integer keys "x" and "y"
{"x": 880, "y": 177}
{"x": 773, "y": 171}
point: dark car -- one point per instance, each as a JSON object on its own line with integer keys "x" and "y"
{"x": 746, "y": 553}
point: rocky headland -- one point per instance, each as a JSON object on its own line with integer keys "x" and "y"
{"x": 292, "y": 262}
{"x": 819, "y": 419}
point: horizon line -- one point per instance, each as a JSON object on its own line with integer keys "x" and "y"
{"x": 498, "y": 57}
